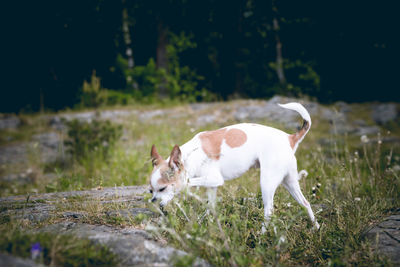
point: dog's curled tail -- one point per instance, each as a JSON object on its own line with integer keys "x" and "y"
{"x": 296, "y": 138}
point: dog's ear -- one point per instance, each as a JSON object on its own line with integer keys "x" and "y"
{"x": 155, "y": 157}
{"x": 175, "y": 158}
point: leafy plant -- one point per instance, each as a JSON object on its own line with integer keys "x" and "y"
{"x": 92, "y": 93}
{"x": 181, "y": 82}
{"x": 86, "y": 139}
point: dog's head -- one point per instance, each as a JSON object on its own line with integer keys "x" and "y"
{"x": 166, "y": 179}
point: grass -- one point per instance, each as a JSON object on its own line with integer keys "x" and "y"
{"x": 351, "y": 185}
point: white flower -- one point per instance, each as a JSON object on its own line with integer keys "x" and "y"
{"x": 364, "y": 139}
{"x": 357, "y": 199}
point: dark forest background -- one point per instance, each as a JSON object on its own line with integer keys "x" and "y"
{"x": 59, "y": 52}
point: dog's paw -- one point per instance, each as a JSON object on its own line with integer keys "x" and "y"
{"x": 316, "y": 226}
{"x": 264, "y": 227}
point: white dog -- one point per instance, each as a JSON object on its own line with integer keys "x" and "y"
{"x": 212, "y": 157}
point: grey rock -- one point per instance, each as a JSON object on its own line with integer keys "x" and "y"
{"x": 13, "y": 261}
{"x": 267, "y": 110}
{"x": 360, "y": 122}
{"x": 15, "y": 153}
{"x": 384, "y": 113}
{"x": 205, "y": 119}
{"x": 132, "y": 193}
{"x": 44, "y": 146}
{"x": 57, "y": 123}
{"x": 200, "y": 106}
{"x": 20, "y": 178}
{"x": 147, "y": 115}
{"x": 130, "y": 213}
{"x": 50, "y": 140}
{"x": 367, "y": 130}
{"x": 385, "y": 237}
{"x": 132, "y": 247}
{"x": 9, "y": 122}
{"x": 343, "y": 107}
{"x": 74, "y": 215}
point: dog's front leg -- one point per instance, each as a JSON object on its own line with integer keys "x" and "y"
{"x": 212, "y": 196}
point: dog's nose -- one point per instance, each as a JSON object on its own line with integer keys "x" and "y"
{"x": 153, "y": 199}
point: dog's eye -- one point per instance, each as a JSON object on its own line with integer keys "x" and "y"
{"x": 162, "y": 189}
{"x": 151, "y": 191}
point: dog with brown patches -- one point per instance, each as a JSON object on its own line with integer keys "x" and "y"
{"x": 212, "y": 157}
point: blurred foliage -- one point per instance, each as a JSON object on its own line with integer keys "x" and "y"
{"x": 86, "y": 139}
{"x": 214, "y": 49}
{"x": 182, "y": 83}
{"x": 93, "y": 95}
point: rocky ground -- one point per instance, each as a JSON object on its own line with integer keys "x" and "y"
{"x": 135, "y": 246}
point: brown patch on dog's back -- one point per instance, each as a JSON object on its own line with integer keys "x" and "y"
{"x": 211, "y": 142}
{"x": 235, "y": 138}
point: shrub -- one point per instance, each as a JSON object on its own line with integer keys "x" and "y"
{"x": 94, "y": 95}
{"x": 86, "y": 139}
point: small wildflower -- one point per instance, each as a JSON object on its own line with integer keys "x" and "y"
{"x": 36, "y": 249}
{"x": 318, "y": 185}
{"x": 357, "y": 199}
{"x": 314, "y": 195}
{"x": 364, "y": 139}
{"x": 289, "y": 204}
{"x": 380, "y": 142}
{"x": 313, "y": 188}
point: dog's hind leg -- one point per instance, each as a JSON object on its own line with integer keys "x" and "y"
{"x": 291, "y": 183}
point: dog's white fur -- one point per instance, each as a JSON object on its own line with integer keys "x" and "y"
{"x": 270, "y": 148}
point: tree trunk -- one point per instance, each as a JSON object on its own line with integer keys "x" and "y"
{"x": 162, "y": 57}
{"x": 238, "y": 50}
{"x": 279, "y": 60}
{"x": 128, "y": 42}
